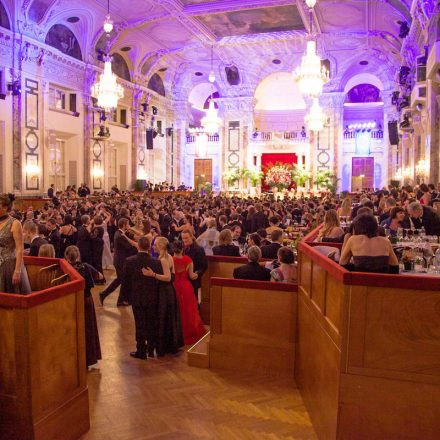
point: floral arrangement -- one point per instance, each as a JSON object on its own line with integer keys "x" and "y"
{"x": 232, "y": 176}
{"x": 279, "y": 176}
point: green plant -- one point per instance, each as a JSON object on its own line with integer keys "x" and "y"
{"x": 300, "y": 175}
{"x": 327, "y": 179}
{"x": 253, "y": 175}
{"x": 232, "y": 176}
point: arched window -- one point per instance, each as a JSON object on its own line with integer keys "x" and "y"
{"x": 63, "y": 39}
{"x": 4, "y": 20}
{"x": 119, "y": 67}
{"x": 156, "y": 84}
{"x": 362, "y": 93}
{"x": 232, "y": 75}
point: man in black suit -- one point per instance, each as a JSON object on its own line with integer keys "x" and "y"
{"x": 84, "y": 240}
{"x": 198, "y": 256}
{"x": 259, "y": 219}
{"x": 51, "y": 191}
{"x": 142, "y": 293}
{"x": 124, "y": 247}
{"x": 53, "y": 236}
{"x": 271, "y": 250}
{"x": 252, "y": 270}
{"x": 422, "y": 216}
{"x": 30, "y": 234}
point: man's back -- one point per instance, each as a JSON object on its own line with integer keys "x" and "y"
{"x": 252, "y": 271}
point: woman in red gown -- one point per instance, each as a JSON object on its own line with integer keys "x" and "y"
{"x": 192, "y": 325}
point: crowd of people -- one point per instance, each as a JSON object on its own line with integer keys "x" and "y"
{"x": 158, "y": 246}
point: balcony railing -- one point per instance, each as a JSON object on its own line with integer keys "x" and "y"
{"x": 265, "y": 136}
{"x": 375, "y": 134}
{"x": 190, "y": 138}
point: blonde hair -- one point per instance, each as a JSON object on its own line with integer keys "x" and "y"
{"x": 225, "y": 237}
{"x": 331, "y": 220}
{"x": 163, "y": 243}
{"x": 345, "y": 209}
{"x": 72, "y": 254}
{"x": 47, "y": 251}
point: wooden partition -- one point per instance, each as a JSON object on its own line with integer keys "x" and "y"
{"x": 252, "y": 325}
{"x": 43, "y": 390}
{"x": 368, "y": 351}
{"x": 220, "y": 267}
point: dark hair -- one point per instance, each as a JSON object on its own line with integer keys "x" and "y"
{"x": 424, "y": 187}
{"x": 68, "y": 220}
{"x": 395, "y": 211}
{"x": 365, "y": 224}
{"x": 274, "y": 220}
{"x": 276, "y": 234}
{"x": 122, "y": 222}
{"x": 368, "y": 204}
{"x": 144, "y": 244}
{"x": 256, "y": 239}
{"x": 7, "y": 200}
{"x": 262, "y": 233}
{"x": 42, "y": 230}
{"x": 285, "y": 255}
{"x": 52, "y": 221}
{"x": 177, "y": 247}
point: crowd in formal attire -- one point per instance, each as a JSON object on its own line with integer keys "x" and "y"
{"x": 158, "y": 246}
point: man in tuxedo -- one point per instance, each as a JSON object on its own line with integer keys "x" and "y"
{"x": 252, "y": 270}
{"x": 198, "y": 256}
{"x": 259, "y": 219}
{"x": 422, "y": 216}
{"x": 142, "y": 293}
{"x": 84, "y": 241}
{"x": 30, "y": 234}
{"x": 53, "y": 236}
{"x": 271, "y": 250}
{"x": 124, "y": 247}
{"x": 51, "y": 191}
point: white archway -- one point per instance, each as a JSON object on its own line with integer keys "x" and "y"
{"x": 363, "y": 78}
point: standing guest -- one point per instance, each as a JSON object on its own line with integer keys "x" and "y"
{"x": 93, "y": 346}
{"x": 53, "y": 236}
{"x": 67, "y": 234}
{"x": 46, "y": 251}
{"x": 13, "y": 275}
{"x": 85, "y": 241}
{"x": 142, "y": 293}
{"x": 425, "y": 198}
{"x": 192, "y": 325}
{"x": 286, "y": 271}
{"x": 169, "y": 338}
{"x": 225, "y": 246}
{"x": 50, "y": 191}
{"x": 198, "y": 257}
{"x": 210, "y": 238}
{"x": 97, "y": 236}
{"x": 30, "y": 235}
{"x": 252, "y": 270}
{"x": 422, "y": 216}
{"x": 271, "y": 250}
{"x": 124, "y": 247}
{"x": 259, "y": 219}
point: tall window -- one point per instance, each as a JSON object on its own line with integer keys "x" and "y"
{"x": 57, "y": 98}
{"x": 57, "y": 171}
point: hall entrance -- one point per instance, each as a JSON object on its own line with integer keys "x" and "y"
{"x": 362, "y": 173}
{"x": 202, "y": 172}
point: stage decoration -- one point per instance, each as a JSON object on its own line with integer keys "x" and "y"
{"x": 211, "y": 122}
{"x": 315, "y": 119}
{"x": 311, "y": 75}
{"x": 106, "y": 89}
{"x": 279, "y": 176}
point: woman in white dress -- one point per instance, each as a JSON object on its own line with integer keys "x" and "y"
{"x": 107, "y": 258}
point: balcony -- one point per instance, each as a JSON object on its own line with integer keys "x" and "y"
{"x": 271, "y": 136}
{"x": 191, "y": 139}
{"x": 374, "y": 134}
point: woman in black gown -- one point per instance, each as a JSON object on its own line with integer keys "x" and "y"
{"x": 170, "y": 337}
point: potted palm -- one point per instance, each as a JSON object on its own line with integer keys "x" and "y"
{"x": 254, "y": 177}
{"x": 232, "y": 176}
{"x": 301, "y": 176}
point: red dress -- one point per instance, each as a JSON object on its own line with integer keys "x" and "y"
{"x": 192, "y": 325}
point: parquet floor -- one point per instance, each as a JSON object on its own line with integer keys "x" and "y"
{"x": 131, "y": 399}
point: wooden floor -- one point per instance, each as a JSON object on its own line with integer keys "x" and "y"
{"x": 131, "y": 399}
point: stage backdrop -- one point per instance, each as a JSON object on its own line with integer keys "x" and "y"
{"x": 268, "y": 159}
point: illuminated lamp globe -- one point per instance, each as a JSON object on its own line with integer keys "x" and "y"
{"x": 315, "y": 118}
{"x": 211, "y": 77}
{"x": 311, "y": 3}
{"x": 108, "y": 24}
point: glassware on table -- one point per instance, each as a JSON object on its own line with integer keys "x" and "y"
{"x": 399, "y": 234}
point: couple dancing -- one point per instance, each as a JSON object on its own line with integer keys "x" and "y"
{"x": 164, "y": 306}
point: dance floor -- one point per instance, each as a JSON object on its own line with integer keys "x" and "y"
{"x": 164, "y": 398}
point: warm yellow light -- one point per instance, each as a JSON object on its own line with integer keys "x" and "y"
{"x": 32, "y": 170}
{"x": 97, "y": 172}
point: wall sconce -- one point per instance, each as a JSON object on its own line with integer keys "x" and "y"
{"x": 407, "y": 173}
{"x": 97, "y": 172}
{"x": 32, "y": 171}
{"x": 422, "y": 167}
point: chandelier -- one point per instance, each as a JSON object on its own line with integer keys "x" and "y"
{"x": 201, "y": 141}
{"x": 106, "y": 89}
{"x": 211, "y": 122}
{"x": 315, "y": 118}
{"x": 310, "y": 75}
{"x": 108, "y": 23}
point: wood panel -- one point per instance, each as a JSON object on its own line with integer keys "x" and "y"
{"x": 252, "y": 329}
{"x": 318, "y": 288}
{"x": 305, "y": 271}
{"x": 317, "y": 365}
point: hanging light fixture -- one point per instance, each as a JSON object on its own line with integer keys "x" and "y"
{"x": 310, "y": 75}
{"x": 315, "y": 118}
{"x": 211, "y": 122}
{"x": 108, "y": 23}
{"x": 211, "y": 76}
{"x": 106, "y": 89}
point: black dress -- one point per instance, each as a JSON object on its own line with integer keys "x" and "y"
{"x": 97, "y": 247}
{"x": 170, "y": 337}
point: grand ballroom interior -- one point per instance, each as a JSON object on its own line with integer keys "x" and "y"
{"x": 199, "y": 110}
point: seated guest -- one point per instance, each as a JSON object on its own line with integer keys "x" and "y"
{"x": 422, "y": 216}
{"x": 331, "y": 230}
{"x": 237, "y": 238}
{"x": 286, "y": 271}
{"x": 254, "y": 240}
{"x": 274, "y": 223}
{"x": 425, "y": 198}
{"x": 252, "y": 270}
{"x": 89, "y": 273}
{"x": 263, "y": 237}
{"x": 271, "y": 250}
{"x": 345, "y": 209}
{"x": 370, "y": 252}
{"x": 225, "y": 247}
{"x": 395, "y": 221}
{"x": 390, "y": 203}
{"x": 30, "y": 234}
{"x": 209, "y": 239}
{"x": 46, "y": 251}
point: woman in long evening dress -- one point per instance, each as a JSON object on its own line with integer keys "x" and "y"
{"x": 192, "y": 325}
{"x": 13, "y": 275}
{"x": 169, "y": 329}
